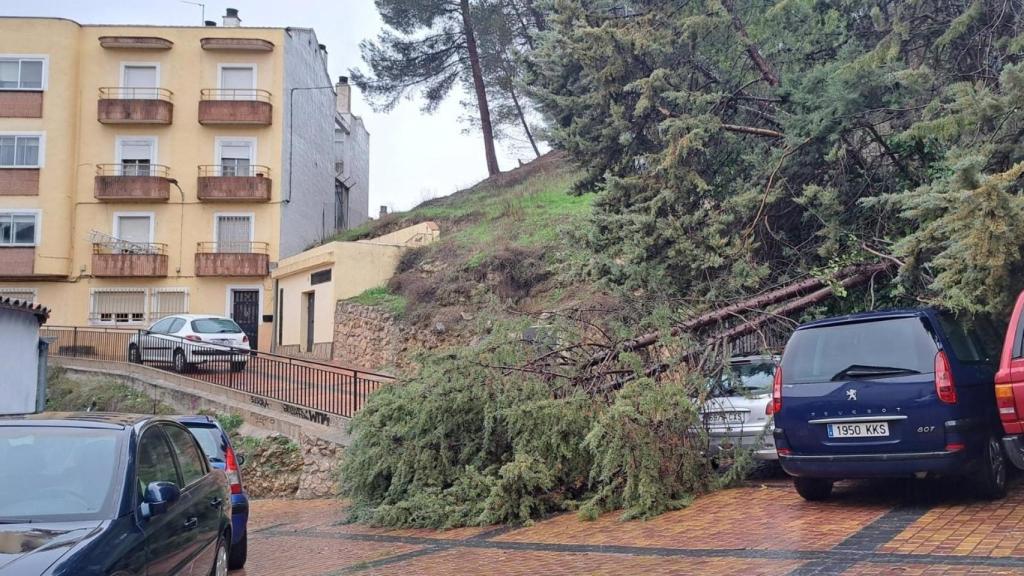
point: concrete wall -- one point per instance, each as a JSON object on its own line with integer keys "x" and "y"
{"x": 19, "y": 357}
{"x": 307, "y": 216}
{"x": 352, "y": 147}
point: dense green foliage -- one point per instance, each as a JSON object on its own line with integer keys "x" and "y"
{"x": 736, "y": 146}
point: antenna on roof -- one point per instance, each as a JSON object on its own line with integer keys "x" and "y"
{"x": 201, "y": 5}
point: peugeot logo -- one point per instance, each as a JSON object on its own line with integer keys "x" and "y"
{"x": 851, "y": 394}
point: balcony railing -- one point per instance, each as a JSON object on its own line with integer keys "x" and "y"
{"x": 119, "y": 105}
{"x": 132, "y": 183}
{"x": 230, "y": 183}
{"x": 232, "y": 259}
{"x": 121, "y": 259}
{"x": 235, "y": 106}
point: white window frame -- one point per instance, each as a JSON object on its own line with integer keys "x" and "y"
{"x": 218, "y": 145}
{"x": 127, "y": 65}
{"x": 37, "y": 214}
{"x": 115, "y": 227}
{"x": 154, "y": 294}
{"x": 216, "y": 224}
{"x": 46, "y": 71}
{"x": 229, "y": 297}
{"x": 42, "y": 149}
{"x": 6, "y": 290}
{"x": 155, "y": 141}
{"x": 92, "y": 307}
{"x": 220, "y": 77}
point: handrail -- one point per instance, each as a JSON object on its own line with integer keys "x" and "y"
{"x": 148, "y": 170}
{"x": 231, "y": 247}
{"x": 128, "y": 248}
{"x": 125, "y": 93}
{"x": 235, "y": 94}
{"x": 220, "y": 170}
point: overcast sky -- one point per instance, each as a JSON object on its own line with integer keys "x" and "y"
{"x": 413, "y": 156}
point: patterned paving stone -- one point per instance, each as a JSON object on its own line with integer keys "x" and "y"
{"x": 872, "y": 569}
{"x": 514, "y": 563}
{"x": 994, "y": 529}
{"x": 288, "y": 556}
{"x": 744, "y": 518}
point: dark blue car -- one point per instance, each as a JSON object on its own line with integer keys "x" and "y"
{"x": 109, "y": 494}
{"x": 217, "y": 447}
{"x": 903, "y": 393}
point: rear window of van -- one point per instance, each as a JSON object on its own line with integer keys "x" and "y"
{"x": 820, "y": 354}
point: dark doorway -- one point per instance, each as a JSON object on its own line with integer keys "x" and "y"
{"x": 245, "y": 311}
{"x": 310, "y": 316}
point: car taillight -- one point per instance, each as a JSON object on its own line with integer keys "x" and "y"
{"x": 245, "y": 339}
{"x": 776, "y": 405}
{"x": 231, "y": 469}
{"x": 193, "y": 338}
{"x": 1005, "y": 402}
{"x": 944, "y": 385}
{"x": 769, "y": 408}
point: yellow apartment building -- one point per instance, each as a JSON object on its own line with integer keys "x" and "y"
{"x": 146, "y": 171}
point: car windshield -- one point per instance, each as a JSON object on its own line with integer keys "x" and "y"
{"x": 215, "y": 326}
{"x": 209, "y": 440}
{"x": 58, "y": 474}
{"x": 745, "y": 378}
{"x": 876, "y": 349}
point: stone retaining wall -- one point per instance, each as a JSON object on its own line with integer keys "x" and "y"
{"x": 372, "y": 338}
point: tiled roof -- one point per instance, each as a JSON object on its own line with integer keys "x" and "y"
{"x": 41, "y": 313}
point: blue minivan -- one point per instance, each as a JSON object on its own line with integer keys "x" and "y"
{"x": 901, "y": 393}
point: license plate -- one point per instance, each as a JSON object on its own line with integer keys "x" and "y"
{"x": 858, "y": 430}
{"x": 223, "y": 341}
{"x": 725, "y": 417}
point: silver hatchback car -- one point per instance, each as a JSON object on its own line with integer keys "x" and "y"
{"x": 737, "y": 414}
{"x": 187, "y": 340}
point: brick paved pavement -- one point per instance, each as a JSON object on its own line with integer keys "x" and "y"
{"x": 868, "y": 529}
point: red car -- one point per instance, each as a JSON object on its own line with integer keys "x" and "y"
{"x": 1010, "y": 386}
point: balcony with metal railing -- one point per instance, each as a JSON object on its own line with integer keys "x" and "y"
{"x": 132, "y": 183}
{"x": 118, "y": 105}
{"x": 234, "y": 183}
{"x": 233, "y": 259}
{"x": 115, "y": 258}
{"x": 245, "y": 106}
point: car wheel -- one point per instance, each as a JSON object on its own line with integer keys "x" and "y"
{"x": 134, "y": 356}
{"x": 991, "y": 481}
{"x": 180, "y": 365}
{"x": 813, "y": 489}
{"x": 220, "y": 562}
{"x": 237, "y": 366}
{"x": 239, "y": 552}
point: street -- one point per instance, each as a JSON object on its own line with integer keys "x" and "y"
{"x": 866, "y": 529}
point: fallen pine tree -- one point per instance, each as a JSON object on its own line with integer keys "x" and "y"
{"x": 515, "y": 428}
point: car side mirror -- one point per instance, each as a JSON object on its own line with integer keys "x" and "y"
{"x": 159, "y": 497}
{"x": 240, "y": 458}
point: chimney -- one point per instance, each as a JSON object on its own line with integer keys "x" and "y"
{"x": 231, "y": 19}
{"x": 210, "y": 23}
{"x": 383, "y": 211}
{"x": 344, "y": 90}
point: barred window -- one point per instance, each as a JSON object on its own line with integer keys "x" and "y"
{"x": 166, "y": 302}
{"x": 23, "y": 294}
{"x": 119, "y": 306}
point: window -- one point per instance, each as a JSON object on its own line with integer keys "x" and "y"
{"x": 234, "y": 233}
{"x": 118, "y": 306}
{"x": 22, "y": 73}
{"x": 19, "y": 228}
{"x": 155, "y": 462}
{"x": 23, "y": 294}
{"x": 162, "y": 327}
{"x": 190, "y": 459}
{"x": 140, "y": 81}
{"x": 237, "y": 82}
{"x": 235, "y": 157}
{"x": 20, "y": 151}
{"x": 169, "y": 301}
{"x": 176, "y": 326}
{"x": 136, "y": 156}
{"x": 215, "y": 326}
{"x": 134, "y": 228}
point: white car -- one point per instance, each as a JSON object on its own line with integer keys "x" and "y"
{"x": 737, "y": 414}
{"x": 187, "y": 340}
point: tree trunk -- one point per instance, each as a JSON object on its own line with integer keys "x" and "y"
{"x": 522, "y": 117}
{"x": 767, "y": 72}
{"x": 481, "y": 93}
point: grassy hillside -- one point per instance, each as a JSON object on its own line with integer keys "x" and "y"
{"x": 510, "y": 244}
